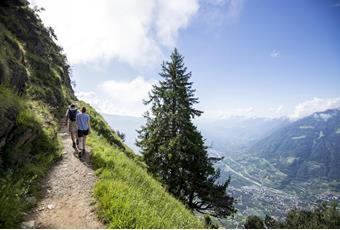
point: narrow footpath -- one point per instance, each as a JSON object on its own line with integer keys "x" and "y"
{"x": 68, "y": 188}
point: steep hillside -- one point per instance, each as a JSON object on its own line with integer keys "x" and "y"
{"x": 308, "y": 148}
{"x": 35, "y": 89}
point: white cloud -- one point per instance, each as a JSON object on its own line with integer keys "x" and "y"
{"x": 135, "y": 90}
{"x": 235, "y": 8}
{"x": 315, "y": 105}
{"x": 275, "y": 54}
{"x": 218, "y": 12}
{"x": 118, "y": 97}
{"x": 132, "y": 31}
{"x": 276, "y": 111}
{"x": 172, "y": 16}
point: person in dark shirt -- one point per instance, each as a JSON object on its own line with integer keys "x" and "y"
{"x": 71, "y": 116}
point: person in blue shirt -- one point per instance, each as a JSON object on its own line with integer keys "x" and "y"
{"x": 83, "y": 123}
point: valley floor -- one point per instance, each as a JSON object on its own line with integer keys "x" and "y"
{"x": 68, "y": 187}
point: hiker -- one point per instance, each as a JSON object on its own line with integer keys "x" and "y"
{"x": 83, "y": 122}
{"x": 71, "y": 116}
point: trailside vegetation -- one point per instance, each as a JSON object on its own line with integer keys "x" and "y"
{"x": 174, "y": 149}
{"x": 131, "y": 198}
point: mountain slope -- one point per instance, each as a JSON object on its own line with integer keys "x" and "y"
{"x": 307, "y": 148}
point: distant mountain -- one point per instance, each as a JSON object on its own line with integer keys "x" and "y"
{"x": 308, "y": 148}
{"x": 235, "y": 134}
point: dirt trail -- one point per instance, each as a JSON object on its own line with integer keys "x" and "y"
{"x": 68, "y": 201}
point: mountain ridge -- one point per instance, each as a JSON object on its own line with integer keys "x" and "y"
{"x": 305, "y": 148}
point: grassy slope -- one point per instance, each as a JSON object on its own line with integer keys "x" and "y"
{"x": 128, "y": 196}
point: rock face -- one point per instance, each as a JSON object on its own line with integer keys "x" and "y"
{"x": 7, "y": 121}
{"x": 19, "y": 77}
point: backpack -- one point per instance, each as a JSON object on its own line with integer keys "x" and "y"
{"x": 72, "y": 114}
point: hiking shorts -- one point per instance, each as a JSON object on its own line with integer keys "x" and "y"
{"x": 82, "y": 133}
{"x": 72, "y": 127}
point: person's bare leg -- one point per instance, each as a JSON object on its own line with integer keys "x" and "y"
{"x": 76, "y": 141}
{"x": 80, "y": 144}
{"x": 84, "y": 143}
{"x": 72, "y": 137}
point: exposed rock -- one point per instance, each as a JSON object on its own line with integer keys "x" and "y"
{"x": 7, "y": 121}
{"x": 19, "y": 77}
{"x": 31, "y": 200}
{"x": 27, "y": 136}
{"x": 51, "y": 206}
{"x": 28, "y": 224}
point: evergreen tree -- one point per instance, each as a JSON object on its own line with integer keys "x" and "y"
{"x": 254, "y": 222}
{"x": 173, "y": 148}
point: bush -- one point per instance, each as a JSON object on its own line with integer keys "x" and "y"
{"x": 254, "y": 222}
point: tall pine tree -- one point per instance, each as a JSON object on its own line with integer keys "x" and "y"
{"x": 173, "y": 148}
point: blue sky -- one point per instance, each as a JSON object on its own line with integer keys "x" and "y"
{"x": 248, "y": 57}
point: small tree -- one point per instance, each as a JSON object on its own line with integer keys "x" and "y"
{"x": 254, "y": 222}
{"x": 121, "y": 135}
{"x": 173, "y": 148}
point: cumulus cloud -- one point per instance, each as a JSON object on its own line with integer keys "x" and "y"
{"x": 315, "y": 105}
{"x": 275, "y": 54}
{"x": 119, "y": 97}
{"x": 173, "y": 15}
{"x": 131, "y": 31}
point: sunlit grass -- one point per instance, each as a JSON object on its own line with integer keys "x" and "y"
{"x": 129, "y": 197}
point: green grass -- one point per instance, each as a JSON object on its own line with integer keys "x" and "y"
{"x": 24, "y": 162}
{"x": 129, "y": 197}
